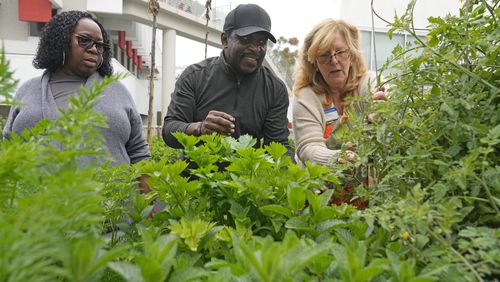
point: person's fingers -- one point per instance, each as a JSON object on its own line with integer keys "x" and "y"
{"x": 221, "y": 115}
{"x": 379, "y": 96}
{"x": 219, "y": 122}
{"x": 341, "y": 160}
{"x": 210, "y": 127}
{"x": 352, "y": 157}
{"x": 350, "y": 146}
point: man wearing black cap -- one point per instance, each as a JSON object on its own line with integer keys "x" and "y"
{"x": 232, "y": 94}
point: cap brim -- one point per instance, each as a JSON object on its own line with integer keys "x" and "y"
{"x": 244, "y": 31}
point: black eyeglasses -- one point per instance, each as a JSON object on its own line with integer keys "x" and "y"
{"x": 249, "y": 39}
{"x": 340, "y": 55}
{"x": 87, "y": 43}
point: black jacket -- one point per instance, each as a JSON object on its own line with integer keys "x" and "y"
{"x": 258, "y": 102}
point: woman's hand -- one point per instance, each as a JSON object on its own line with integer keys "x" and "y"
{"x": 379, "y": 95}
{"x": 349, "y": 156}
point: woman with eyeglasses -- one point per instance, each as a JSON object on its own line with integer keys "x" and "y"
{"x": 74, "y": 51}
{"x": 331, "y": 79}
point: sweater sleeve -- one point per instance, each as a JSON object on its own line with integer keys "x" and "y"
{"x": 23, "y": 97}
{"x": 136, "y": 146}
{"x": 308, "y": 126}
{"x": 10, "y": 121}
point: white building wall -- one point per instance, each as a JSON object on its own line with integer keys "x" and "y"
{"x": 108, "y": 6}
{"x": 10, "y": 26}
{"x": 68, "y": 5}
{"x": 375, "y": 43}
{"x": 359, "y": 13}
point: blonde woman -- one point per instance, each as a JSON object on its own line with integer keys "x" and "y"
{"x": 331, "y": 69}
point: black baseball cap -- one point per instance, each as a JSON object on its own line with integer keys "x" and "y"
{"x": 247, "y": 19}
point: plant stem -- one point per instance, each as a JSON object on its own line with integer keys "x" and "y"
{"x": 488, "y": 192}
{"x": 458, "y": 254}
{"x": 458, "y": 66}
{"x": 491, "y": 11}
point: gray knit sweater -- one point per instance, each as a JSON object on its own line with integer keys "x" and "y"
{"x": 123, "y": 138}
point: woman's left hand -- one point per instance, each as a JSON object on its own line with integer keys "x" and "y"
{"x": 379, "y": 95}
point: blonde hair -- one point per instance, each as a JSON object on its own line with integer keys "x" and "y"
{"x": 318, "y": 42}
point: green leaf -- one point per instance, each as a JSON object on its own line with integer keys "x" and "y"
{"x": 296, "y": 198}
{"x": 244, "y": 253}
{"x": 300, "y": 223}
{"x": 367, "y": 273}
{"x": 187, "y": 141}
{"x": 493, "y": 137}
{"x": 129, "y": 272}
{"x": 188, "y": 274}
{"x": 192, "y": 231}
{"x": 276, "y": 209}
{"x": 436, "y": 90}
{"x": 205, "y": 240}
{"x": 330, "y": 225}
{"x": 276, "y": 150}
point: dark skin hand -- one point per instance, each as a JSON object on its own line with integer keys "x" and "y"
{"x": 215, "y": 121}
{"x": 143, "y": 184}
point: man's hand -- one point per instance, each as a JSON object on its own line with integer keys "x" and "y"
{"x": 219, "y": 122}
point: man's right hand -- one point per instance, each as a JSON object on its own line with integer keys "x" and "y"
{"x": 219, "y": 122}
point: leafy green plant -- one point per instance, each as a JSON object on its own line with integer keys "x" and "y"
{"x": 436, "y": 144}
{"x": 263, "y": 259}
{"x": 7, "y": 81}
{"x": 51, "y": 212}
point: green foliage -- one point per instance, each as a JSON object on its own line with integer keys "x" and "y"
{"x": 7, "y": 81}
{"x": 284, "y": 51}
{"x": 230, "y": 210}
{"x": 7, "y": 84}
{"x": 159, "y": 152}
{"x": 284, "y": 55}
{"x": 435, "y": 148}
{"x": 258, "y": 260}
{"x": 50, "y": 211}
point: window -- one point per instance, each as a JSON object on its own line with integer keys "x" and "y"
{"x": 35, "y": 28}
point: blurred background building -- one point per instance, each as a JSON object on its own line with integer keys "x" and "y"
{"x": 129, "y": 25}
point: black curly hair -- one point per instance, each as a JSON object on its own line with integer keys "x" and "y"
{"x": 56, "y": 39}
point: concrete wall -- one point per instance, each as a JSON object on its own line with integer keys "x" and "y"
{"x": 10, "y": 26}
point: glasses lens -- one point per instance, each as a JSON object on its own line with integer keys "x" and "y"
{"x": 99, "y": 47}
{"x": 325, "y": 58}
{"x": 342, "y": 54}
{"x": 85, "y": 43}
